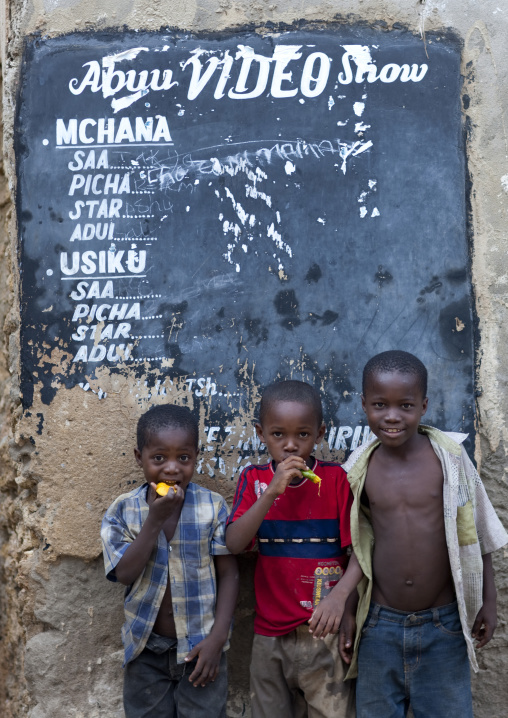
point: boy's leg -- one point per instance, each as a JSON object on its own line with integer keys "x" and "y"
{"x": 201, "y": 702}
{"x": 148, "y": 689}
{"x": 321, "y": 676}
{"x": 439, "y": 675}
{"x": 273, "y": 686}
{"x": 380, "y": 686}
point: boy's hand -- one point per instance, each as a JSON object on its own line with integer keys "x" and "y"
{"x": 289, "y": 469}
{"x": 485, "y": 624}
{"x": 347, "y": 633}
{"x": 327, "y": 615}
{"x": 209, "y": 652}
{"x": 162, "y": 507}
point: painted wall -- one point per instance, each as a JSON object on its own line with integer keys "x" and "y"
{"x": 65, "y": 460}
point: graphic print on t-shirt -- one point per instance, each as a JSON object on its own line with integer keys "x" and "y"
{"x": 325, "y": 578}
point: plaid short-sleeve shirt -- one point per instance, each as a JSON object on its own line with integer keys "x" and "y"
{"x": 187, "y": 561}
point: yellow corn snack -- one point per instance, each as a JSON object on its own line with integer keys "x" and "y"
{"x": 308, "y": 474}
{"x": 162, "y": 488}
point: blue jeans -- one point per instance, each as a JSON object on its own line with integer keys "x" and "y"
{"x": 418, "y": 659}
{"x": 156, "y": 686}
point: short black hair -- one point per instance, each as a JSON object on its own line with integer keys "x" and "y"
{"x": 165, "y": 416}
{"x": 396, "y": 360}
{"x": 291, "y": 390}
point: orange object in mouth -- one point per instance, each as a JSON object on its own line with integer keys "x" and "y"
{"x": 314, "y": 478}
{"x": 162, "y": 488}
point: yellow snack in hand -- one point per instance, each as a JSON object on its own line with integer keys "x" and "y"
{"x": 308, "y": 474}
{"x": 162, "y": 488}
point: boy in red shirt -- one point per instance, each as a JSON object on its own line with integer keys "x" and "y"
{"x": 303, "y": 535}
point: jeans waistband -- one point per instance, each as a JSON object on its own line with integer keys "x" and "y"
{"x": 412, "y": 618}
{"x": 160, "y": 644}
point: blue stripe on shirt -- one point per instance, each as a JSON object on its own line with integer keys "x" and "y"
{"x": 310, "y": 528}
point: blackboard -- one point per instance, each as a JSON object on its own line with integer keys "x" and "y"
{"x": 226, "y": 210}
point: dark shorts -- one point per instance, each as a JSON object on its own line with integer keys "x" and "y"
{"x": 156, "y": 686}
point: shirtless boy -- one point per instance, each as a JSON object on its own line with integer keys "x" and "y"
{"x": 182, "y": 583}
{"x": 423, "y": 531}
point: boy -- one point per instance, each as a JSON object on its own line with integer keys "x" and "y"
{"x": 423, "y": 530}
{"x": 168, "y": 551}
{"x": 303, "y": 535}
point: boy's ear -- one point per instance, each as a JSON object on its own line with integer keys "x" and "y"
{"x": 259, "y": 432}
{"x": 425, "y": 405}
{"x": 321, "y": 432}
{"x": 137, "y": 455}
{"x": 363, "y": 403}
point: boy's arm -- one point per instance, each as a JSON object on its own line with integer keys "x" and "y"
{"x": 486, "y": 620}
{"x": 348, "y": 627}
{"x": 328, "y": 613}
{"x": 241, "y": 531}
{"x": 209, "y": 650}
{"x": 136, "y": 556}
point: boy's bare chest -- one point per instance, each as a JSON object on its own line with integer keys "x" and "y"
{"x": 391, "y": 485}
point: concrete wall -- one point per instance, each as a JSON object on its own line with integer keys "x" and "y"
{"x": 60, "y": 653}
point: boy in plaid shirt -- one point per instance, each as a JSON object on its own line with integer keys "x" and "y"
{"x": 182, "y": 583}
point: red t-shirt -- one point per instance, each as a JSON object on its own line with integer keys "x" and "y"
{"x": 301, "y": 540}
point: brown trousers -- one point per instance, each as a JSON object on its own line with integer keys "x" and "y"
{"x": 298, "y": 676}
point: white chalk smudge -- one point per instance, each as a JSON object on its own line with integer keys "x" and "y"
{"x": 255, "y": 193}
{"x": 277, "y": 238}
{"x": 358, "y": 108}
{"x": 363, "y": 212}
{"x": 289, "y": 167}
{"x": 342, "y": 124}
{"x": 375, "y": 212}
{"x": 122, "y": 102}
{"x": 504, "y": 183}
{"x": 125, "y": 55}
{"x": 321, "y": 220}
{"x": 356, "y": 149}
{"x": 361, "y": 127}
{"x": 372, "y": 183}
{"x": 362, "y": 197}
{"x": 243, "y": 216}
{"x": 331, "y": 102}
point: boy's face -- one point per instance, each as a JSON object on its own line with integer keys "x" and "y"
{"x": 169, "y": 455}
{"x": 290, "y": 428}
{"x": 394, "y": 405}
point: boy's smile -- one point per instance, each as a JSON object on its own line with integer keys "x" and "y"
{"x": 168, "y": 456}
{"x": 290, "y": 428}
{"x": 394, "y": 405}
